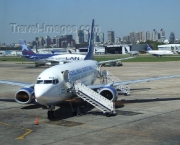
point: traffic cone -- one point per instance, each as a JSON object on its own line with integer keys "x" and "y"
{"x": 36, "y": 121}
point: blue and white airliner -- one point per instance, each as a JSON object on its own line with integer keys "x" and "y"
{"x": 49, "y": 59}
{"x": 51, "y": 88}
{"x": 158, "y": 52}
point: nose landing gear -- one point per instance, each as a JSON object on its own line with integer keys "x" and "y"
{"x": 50, "y": 113}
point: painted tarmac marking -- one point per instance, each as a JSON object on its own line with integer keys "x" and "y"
{"x": 28, "y": 131}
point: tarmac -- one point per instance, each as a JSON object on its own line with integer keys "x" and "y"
{"x": 149, "y": 116}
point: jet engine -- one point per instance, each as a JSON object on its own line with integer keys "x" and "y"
{"x": 24, "y": 95}
{"x": 109, "y": 93}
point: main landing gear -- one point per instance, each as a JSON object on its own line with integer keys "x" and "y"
{"x": 79, "y": 111}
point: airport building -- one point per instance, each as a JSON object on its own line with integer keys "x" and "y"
{"x": 171, "y": 47}
{"x": 116, "y": 49}
{"x": 138, "y": 47}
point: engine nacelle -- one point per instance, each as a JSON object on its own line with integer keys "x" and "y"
{"x": 24, "y": 95}
{"x": 109, "y": 93}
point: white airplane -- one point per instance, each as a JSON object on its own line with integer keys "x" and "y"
{"x": 50, "y": 59}
{"x": 66, "y": 81}
{"x": 158, "y": 52}
{"x": 132, "y": 52}
{"x": 99, "y": 50}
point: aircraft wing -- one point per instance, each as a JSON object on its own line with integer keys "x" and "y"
{"x": 114, "y": 60}
{"x": 131, "y": 81}
{"x": 16, "y": 83}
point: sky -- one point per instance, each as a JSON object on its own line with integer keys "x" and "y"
{"x": 25, "y": 19}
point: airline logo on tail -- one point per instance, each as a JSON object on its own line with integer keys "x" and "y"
{"x": 148, "y": 47}
{"x": 126, "y": 50}
{"x": 25, "y": 49}
{"x": 89, "y": 55}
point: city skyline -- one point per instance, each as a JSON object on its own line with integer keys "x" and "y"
{"x": 83, "y": 36}
{"x": 122, "y": 17}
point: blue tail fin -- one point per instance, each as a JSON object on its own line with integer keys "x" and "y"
{"x": 89, "y": 55}
{"x": 148, "y": 48}
{"x": 126, "y": 51}
{"x": 25, "y": 49}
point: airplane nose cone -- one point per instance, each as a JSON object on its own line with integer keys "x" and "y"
{"x": 41, "y": 93}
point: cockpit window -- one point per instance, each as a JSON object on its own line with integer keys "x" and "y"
{"x": 39, "y": 82}
{"x": 47, "y": 81}
{"x": 55, "y": 81}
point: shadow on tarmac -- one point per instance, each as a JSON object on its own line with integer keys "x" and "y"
{"x": 65, "y": 109}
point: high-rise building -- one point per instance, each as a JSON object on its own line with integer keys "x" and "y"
{"x": 132, "y": 37}
{"x": 48, "y": 41}
{"x": 162, "y": 35}
{"x": 57, "y": 41}
{"x": 79, "y": 36}
{"x": 34, "y": 43}
{"x": 101, "y": 37}
{"x": 54, "y": 40}
{"x": 137, "y": 37}
{"x": 68, "y": 38}
{"x": 117, "y": 40}
{"x": 86, "y": 36}
{"x": 96, "y": 37}
{"x": 126, "y": 39}
{"x": 40, "y": 42}
{"x": 154, "y": 36}
{"x": 111, "y": 36}
{"x": 142, "y": 36}
{"x": 148, "y": 36}
{"x": 171, "y": 38}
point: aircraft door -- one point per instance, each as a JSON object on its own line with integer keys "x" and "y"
{"x": 66, "y": 79}
{"x": 66, "y": 76}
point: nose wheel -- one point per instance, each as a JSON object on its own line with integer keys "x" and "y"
{"x": 50, "y": 113}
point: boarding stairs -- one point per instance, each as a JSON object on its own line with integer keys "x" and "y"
{"x": 95, "y": 99}
{"x": 108, "y": 78}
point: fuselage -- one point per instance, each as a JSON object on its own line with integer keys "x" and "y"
{"x": 43, "y": 58}
{"x": 160, "y": 52}
{"x": 133, "y": 52}
{"x": 50, "y": 87}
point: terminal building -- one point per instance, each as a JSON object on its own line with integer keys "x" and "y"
{"x": 115, "y": 49}
{"x": 122, "y": 48}
{"x": 171, "y": 47}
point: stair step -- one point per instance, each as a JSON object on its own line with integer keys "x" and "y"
{"x": 93, "y": 98}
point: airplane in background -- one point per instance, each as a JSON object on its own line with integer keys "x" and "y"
{"x": 158, "y": 52}
{"x": 76, "y": 79}
{"x": 131, "y": 52}
{"x": 49, "y": 59}
{"x": 99, "y": 50}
